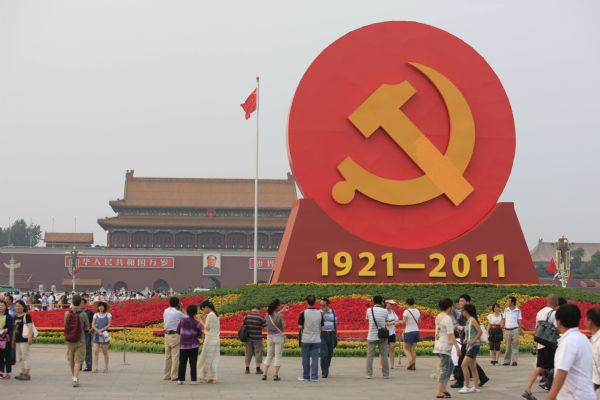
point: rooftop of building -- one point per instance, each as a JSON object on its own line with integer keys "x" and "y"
{"x": 142, "y": 192}
{"x": 545, "y": 251}
{"x": 69, "y": 237}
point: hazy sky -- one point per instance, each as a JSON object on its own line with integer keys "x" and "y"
{"x": 89, "y": 89}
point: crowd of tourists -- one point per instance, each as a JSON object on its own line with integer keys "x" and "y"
{"x": 86, "y": 334}
{"x": 566, "y": 360}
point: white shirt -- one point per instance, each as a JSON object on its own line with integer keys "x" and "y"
{"x": 411, "y": 324}
{"x": 542, "y": 315}
{"x": 380, "y": 316}
{"x": 574, "y": 356}
{"x": 443, "y": 327}
{"x": 596, "y": 352}
{"x": 494, "y": 320}
{"x": 512, "y": 318}
{"x": 392, "y": 317}
{"x": 171, "y": 318}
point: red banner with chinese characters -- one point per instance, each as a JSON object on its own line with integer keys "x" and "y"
{"x": 263, "y": 263}
{"x": 122, "y": 262}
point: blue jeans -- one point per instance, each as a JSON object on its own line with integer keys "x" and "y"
{"x": 310, "y": 352}
{"x": 327, "y": 342}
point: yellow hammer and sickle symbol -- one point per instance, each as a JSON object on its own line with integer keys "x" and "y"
{"x": 443, "y": 173}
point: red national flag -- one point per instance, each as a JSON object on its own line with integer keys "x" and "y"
{"x": 249, "y": 105}
{"x": 551, "y": 267}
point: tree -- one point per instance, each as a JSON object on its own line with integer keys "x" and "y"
{"x": 20, "y": 234}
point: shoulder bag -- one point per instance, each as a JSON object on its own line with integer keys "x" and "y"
{"x": 382, "y": 333}
{"x": 546, "y": 333}
{"x": 243, "y": 332}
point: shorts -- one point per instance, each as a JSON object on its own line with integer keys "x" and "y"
{"x": 495, "y": 346}
{"x": 472, "y": 351}
{"x": 392, "y": 338}
{"x": 545, "y": 358}
{"x": 412, "y": 337}
{"x": 75, "y": 353}
{"x": 446, "y": 367}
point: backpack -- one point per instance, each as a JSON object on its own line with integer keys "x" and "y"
{"x": 73, "y": 327}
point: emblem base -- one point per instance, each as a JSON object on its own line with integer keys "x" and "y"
{"x": 316, "y": 249}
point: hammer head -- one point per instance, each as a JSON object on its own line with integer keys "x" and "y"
{"x": 382, "y": 104}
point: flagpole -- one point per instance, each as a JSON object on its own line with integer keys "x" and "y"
{"x": 256, "y": 191}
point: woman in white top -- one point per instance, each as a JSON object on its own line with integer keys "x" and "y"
{"x": 494, "y": 329}
{"x": 411, "y": 319}
{"x": 208, "y": 363}
{"x": 390, "y": 323}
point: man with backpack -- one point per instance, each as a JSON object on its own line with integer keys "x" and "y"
{"x": 76, "y": 324}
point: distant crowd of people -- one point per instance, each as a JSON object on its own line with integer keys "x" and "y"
{"x": 41, "y": 300}
{"x": 566, "y": 360}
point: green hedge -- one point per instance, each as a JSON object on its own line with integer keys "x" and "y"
{"x": 483, "y": 295}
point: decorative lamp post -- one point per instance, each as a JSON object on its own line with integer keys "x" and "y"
{"x": 563, "y": 260}
{"x": 74, "y": 264}
{"x": 12, "y": 265}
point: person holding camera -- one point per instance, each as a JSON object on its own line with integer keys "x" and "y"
{"x": 377, "y": 337}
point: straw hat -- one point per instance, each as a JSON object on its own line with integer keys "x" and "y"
{"x": 104, "y": 303}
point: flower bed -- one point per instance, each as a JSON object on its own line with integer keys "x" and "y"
{"x": 349, "y": 301}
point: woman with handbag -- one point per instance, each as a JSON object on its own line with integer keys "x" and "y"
{"x": 411, "y": 319}
{"x": 22, "y": 339}
{"x": 275, "y": 340}
{"x": 100, "y": 338}
{"x": 494, "y": 330}
{"x": 6, "y": 329}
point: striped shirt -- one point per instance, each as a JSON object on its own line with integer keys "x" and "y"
{"x": 255, "y": 323}
{"x": 329, "y": 321}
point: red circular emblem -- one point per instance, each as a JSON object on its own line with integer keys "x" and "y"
{"x": 427, "y": 168}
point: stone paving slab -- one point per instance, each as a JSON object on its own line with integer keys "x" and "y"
{"x": 141, "y": 380}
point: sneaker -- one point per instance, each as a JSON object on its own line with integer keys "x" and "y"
{"x": 19, "y": 377}
{"x": 368, "y": 376}
{"x": 180, "y": 382}
{"x": 505, "y": 363}
{"x": 514, "y": 364}
{"x": 452, "y": 378}
{"x": 75, "y": 382}
{"x": 456, "y": 385}
{"x": 301, "y": 379}
{"x": 247, "y": 370}
{"x": 476, "y": 390}
{"x": 315, "y": 380}
{"x": 193, "y": 382}
{"x": 26, "y": 377}
{"x": 466, "y": 389}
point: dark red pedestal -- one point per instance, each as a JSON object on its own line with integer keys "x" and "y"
{"x": 311, "y": 237}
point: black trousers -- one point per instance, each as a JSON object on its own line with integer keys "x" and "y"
{"x": 186, "y": 355}
{"x": 88, "y": 350}
{"x": 6, "y": 359}
{"x": 458, "y": 373}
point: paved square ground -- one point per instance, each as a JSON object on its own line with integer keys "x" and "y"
{"x": 141, "y": 380}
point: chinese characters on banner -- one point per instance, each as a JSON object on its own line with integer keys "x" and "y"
{"x": 122, "y": 262}
{"x": 263, "y": 263}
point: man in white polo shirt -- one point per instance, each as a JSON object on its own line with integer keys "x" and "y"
{"x": 573, "y": 362}
{"x": 592, "y": 322}
{"x": 377, "y": 316}
{"x": 512, "y": 326}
